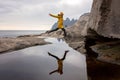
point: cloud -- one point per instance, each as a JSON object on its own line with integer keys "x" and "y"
{"x": 35, "y": 12}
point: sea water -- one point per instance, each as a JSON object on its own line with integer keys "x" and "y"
{"x": 15, "y": 33}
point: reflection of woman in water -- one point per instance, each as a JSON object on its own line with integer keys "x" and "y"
{"x": 60, "y": 63}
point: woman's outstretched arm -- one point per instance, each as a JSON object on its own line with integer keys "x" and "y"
{"x": 54, "y": 15}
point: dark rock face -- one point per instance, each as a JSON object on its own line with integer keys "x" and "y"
{"x": 67, "y": 23}
{"x": 105, "y": 18}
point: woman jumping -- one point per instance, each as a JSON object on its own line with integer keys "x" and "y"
{"x": 60, "y": 22}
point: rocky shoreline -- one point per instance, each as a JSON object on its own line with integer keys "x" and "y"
{"x": 10, "y": 44}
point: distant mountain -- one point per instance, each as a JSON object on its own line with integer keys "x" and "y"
{"x": 67, "y": 23}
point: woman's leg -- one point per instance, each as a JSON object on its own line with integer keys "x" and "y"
{"x": 53, "y": 30}
{"x": 64, "y": 31}
{"x": 65, "y": 55}
{"x": 53, "y": 56}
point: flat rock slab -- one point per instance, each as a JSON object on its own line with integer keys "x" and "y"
{"x": 9, "y": 44}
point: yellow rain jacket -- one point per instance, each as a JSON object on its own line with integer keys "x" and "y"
{"x": 60, "y": 20}
{"x": 60, "y": 66}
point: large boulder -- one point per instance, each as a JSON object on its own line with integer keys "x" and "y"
{"x": 105, "y": 18}
{"x": 77, "y": 29}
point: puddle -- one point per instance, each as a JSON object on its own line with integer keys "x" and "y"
{"x": 34, "y": 63}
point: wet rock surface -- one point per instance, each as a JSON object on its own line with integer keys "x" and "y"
{"x": 108, "y": 52}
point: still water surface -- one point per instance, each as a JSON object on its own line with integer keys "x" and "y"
{"x": 34, "y": 63}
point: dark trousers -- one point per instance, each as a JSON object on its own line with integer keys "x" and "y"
{"x": 57, "y": 29}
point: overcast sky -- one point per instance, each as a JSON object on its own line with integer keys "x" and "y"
{"x": 33, "y": 14}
